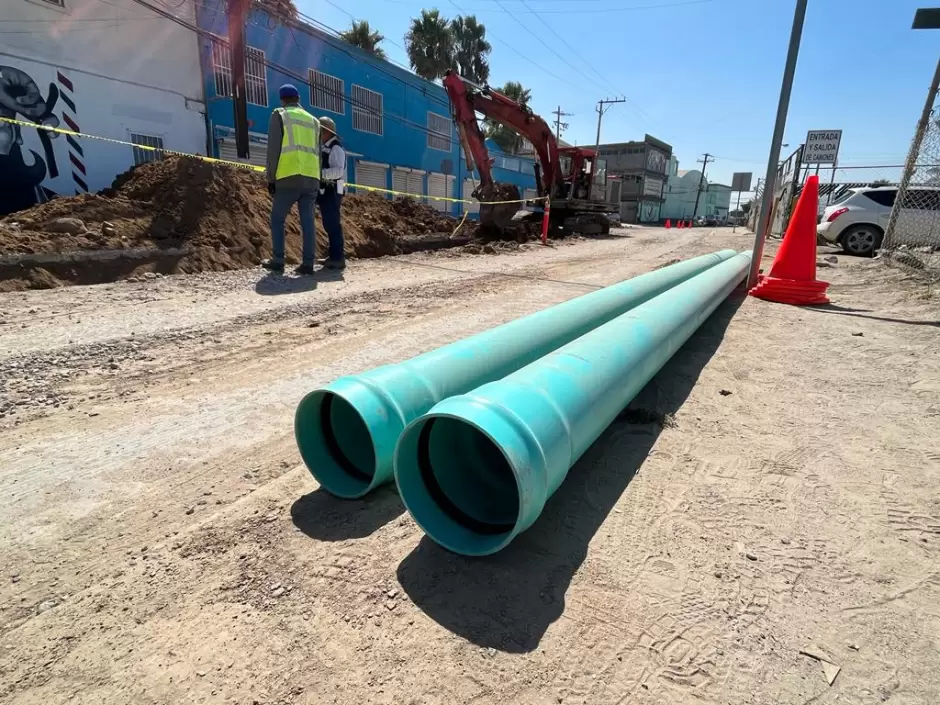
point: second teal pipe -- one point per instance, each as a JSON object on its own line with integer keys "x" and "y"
{"x": 347, "y": 431}
{"x": 477, "y": 469}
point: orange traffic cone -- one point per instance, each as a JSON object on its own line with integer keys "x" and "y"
{"x": 668, "y": 223}
{"x": 679, "y": 224}
{"x": 792, "y": 278}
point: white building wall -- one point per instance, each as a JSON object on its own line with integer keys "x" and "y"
{"x": 680, "y": 196}
{"x": 111, "y": 69}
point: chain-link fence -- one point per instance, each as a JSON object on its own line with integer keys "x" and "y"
{"x": 912, "y": 235}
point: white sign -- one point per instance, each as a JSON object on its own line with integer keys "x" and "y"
{"x": 652, "y": 186}
{"x": 822, "y": 146}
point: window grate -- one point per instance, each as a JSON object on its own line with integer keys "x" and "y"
{"x": 367, "y": 110}
{"x": 327, "y": 92}
{"x": 256, "y": 83}
{"x": 145, "y": 156}
{"x": 256, "y": 80}
{"x": 439, "y": 132}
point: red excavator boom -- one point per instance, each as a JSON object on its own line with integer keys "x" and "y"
{"x": 572, "y": 179}
{"x": 468, "y": 99}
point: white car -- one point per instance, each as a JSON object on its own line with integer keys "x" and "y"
{"x": 857, "y": 220}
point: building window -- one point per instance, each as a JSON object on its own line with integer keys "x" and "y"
{"x": 327, "y": 92}
{"x": 256, "y": 83}
{"x": 367, "y": 110}
{"x": 222, "y": 68}
{"x": 256, "y": 77}
{"x": 145, "y": 156}
{"x": 438, "y": 132}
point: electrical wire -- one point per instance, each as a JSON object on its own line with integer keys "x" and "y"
{"x": 212, "y": 36}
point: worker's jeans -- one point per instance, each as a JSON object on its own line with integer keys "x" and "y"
{"x": 284, "y": 198}
{"x": 330, "y": 203}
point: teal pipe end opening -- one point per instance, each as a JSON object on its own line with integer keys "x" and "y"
{"x": 341, "y": 432}
{"x": 458, "y": 477}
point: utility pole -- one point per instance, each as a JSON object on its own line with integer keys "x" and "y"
{"x": 601, "y": 109}
{"x": 783, "y": 106}
{"x": 237, "y": 14}
{"x": 698, "y": 194}
{"x": 559, "y": 125}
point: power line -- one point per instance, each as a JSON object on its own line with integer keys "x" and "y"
{"x": 630, "y": 8}
{"x": 559, "y": 125}
{"x": 521, "y": 55}
{"x": 601, "y": 109}
{"x": 212, "y": 36}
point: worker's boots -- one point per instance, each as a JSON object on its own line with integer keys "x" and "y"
{"x": 273, "y": 266}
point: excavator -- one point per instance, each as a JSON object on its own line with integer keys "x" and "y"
{"x": 572, "y": 180}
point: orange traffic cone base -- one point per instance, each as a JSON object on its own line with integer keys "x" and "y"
{"x": 792, "y": 278}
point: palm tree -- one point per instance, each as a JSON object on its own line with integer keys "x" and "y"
{"x": 471, "y": 48}
{"x": 508, "y": 140}
{"x": 430, "y": 45}
{"x": 361, "y": 35}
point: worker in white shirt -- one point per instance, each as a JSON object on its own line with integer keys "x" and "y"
{"x": 332, "y": 187}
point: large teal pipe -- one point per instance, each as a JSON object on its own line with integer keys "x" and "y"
{"x": 476, "y": 470}
{"x": 347, "y": 430}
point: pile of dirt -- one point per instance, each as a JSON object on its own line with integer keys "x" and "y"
{"x": 187, "y": 215}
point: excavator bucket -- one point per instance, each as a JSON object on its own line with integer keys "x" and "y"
{"x": 494, "y": 211}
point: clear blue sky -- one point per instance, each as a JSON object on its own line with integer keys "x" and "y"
{"x": 702, "y": 75}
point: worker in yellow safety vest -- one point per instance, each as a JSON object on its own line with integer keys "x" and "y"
{"x": 293, "y": 171}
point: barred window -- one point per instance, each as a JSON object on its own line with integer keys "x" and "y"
{"x": 327, "y": 92}
{"x": 222, "y": 68}
{"x": 256, "y": 77}
{"x": 367, "y": 110}
{"x": 256, "y": 83}
{"x": 438, "y": 132}
{"x": 145, "y": 156}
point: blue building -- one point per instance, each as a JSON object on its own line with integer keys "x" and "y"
{"x": 396, "y": 127}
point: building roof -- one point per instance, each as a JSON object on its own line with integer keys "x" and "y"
{"x": 683, "y": 172}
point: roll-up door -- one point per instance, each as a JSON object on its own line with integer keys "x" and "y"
{"x": 416, "y": 184}
{"x": 468, "y": 186}
{"x": 257, "y": 152}
{"x": 399, "y": 181}
{"x": 442, "y": 186}
{"x": 372, "y": 174}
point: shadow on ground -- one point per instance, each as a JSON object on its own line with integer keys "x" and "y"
{"x": 272, "y": 284}
{"x": 324, "y": 517}
{"x": 862, "y": 313}
{"x": 507, "y": 601}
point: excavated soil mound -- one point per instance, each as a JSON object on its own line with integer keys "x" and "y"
{"x": 186, "y": 215}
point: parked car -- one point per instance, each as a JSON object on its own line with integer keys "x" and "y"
{"x": 712, "y": 221}
{"x": 858, "y": 219}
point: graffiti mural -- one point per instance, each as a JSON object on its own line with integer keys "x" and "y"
{"x": 22, "y": 169}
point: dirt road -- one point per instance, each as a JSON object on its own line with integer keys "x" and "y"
{"x": 161, "y": 543}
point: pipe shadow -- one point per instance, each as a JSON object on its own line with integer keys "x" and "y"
{"x": 507, "y": 601}
{"x": 323, "y": 517}
{"x": 860, "y": 313}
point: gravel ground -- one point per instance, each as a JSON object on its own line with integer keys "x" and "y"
{"x": 772, "y": 492}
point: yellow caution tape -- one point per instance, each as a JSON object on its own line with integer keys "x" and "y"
{"x": 240, "y": 165}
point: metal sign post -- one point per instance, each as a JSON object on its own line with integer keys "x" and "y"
{"x": 740, "y": 181}
{"x": 783, "y": 105}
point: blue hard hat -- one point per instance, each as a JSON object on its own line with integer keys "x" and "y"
{"x": 288, "y": 90}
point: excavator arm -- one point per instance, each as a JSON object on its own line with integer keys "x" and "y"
{"x": 467, "y": 99}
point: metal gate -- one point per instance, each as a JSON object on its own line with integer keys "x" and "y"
{"x": 257, "y": 151}
{"x": 442, "y": 186}
{"x": 468, "y": 186}
{"x": 410, "y": 181}
{"x": 372, "y": 174}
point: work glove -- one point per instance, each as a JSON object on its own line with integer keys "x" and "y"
{"x": 271, "y": 188}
